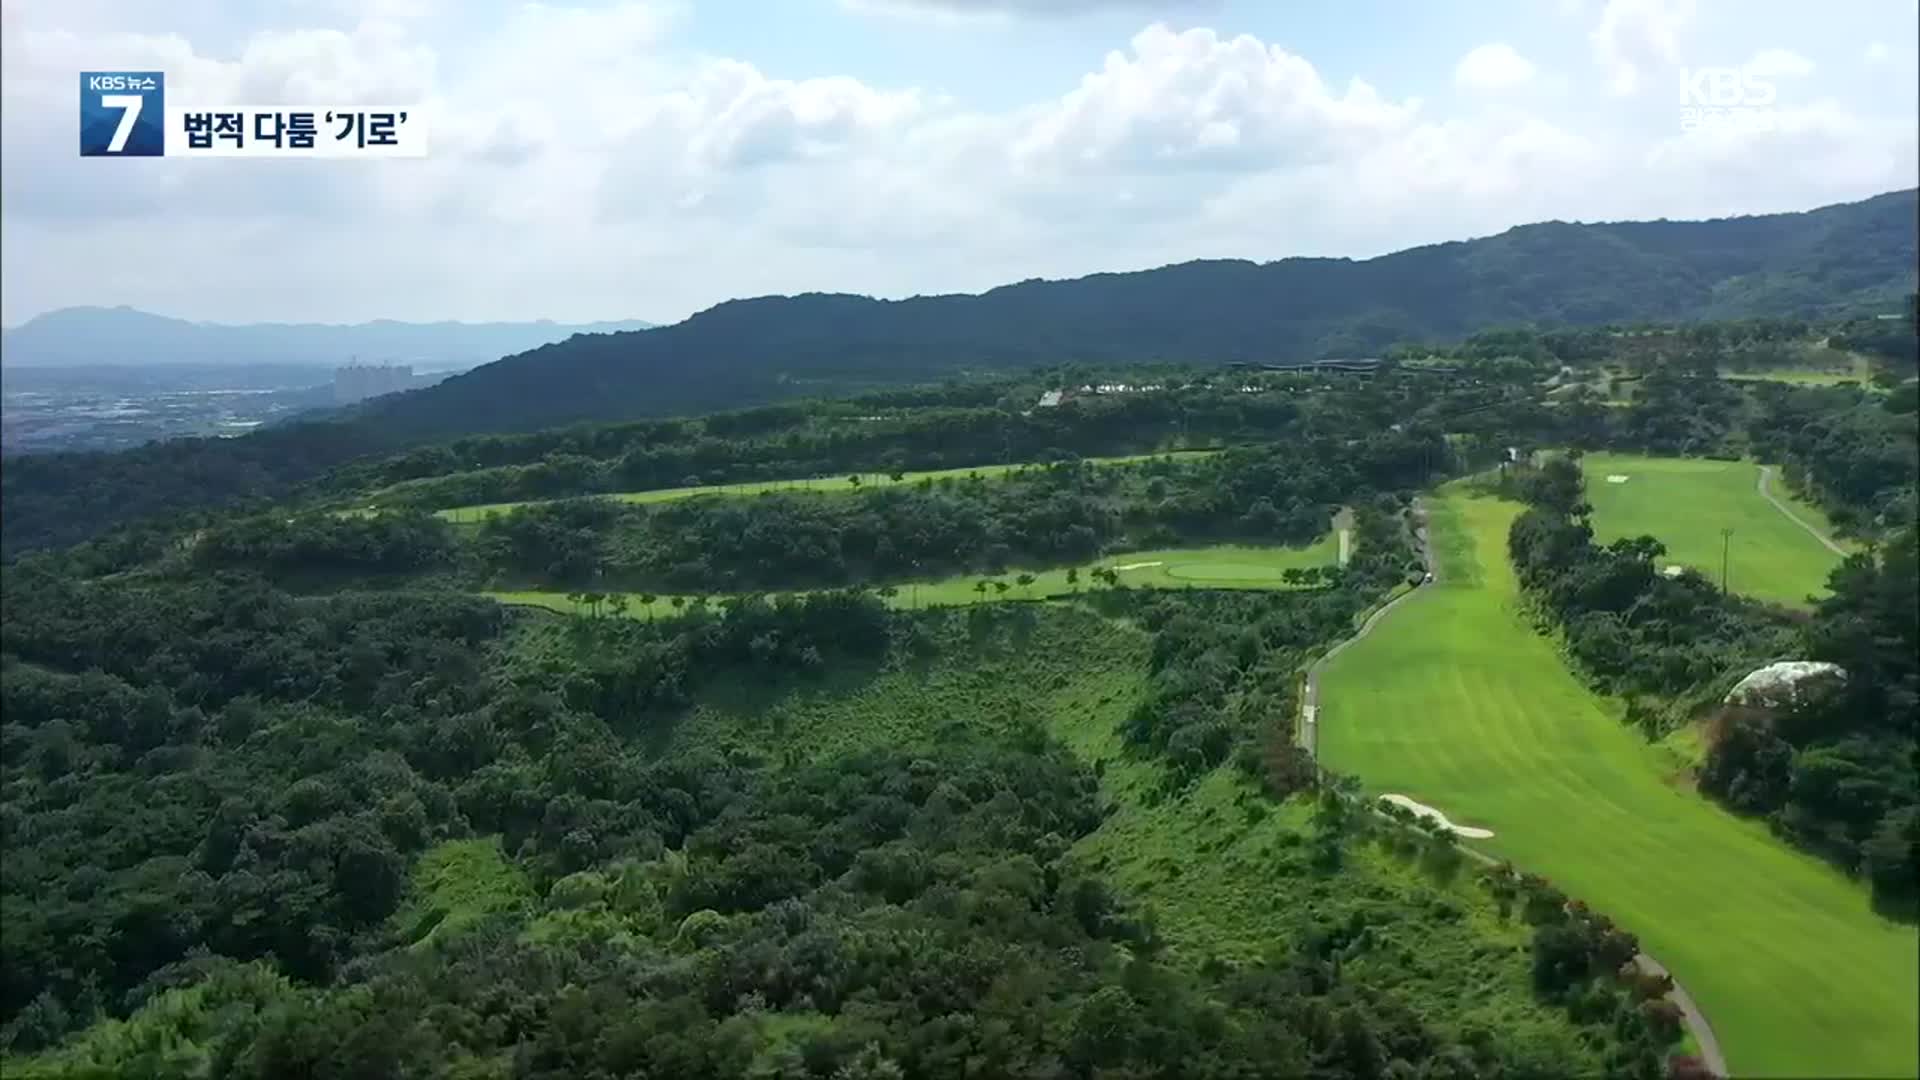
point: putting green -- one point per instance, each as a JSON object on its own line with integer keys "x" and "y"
{"x": 1686, "y": 502}
{"x": 1453, "y": 700}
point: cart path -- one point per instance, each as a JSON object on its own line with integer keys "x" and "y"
{"x": 1766, "y": 473}
{"x": 1696, "y": 1021}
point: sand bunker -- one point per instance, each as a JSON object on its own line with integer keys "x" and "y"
{"x": 1616, "y": 478}
{"x": 1466, "y": 832}
{"x": 1137, "y": 565}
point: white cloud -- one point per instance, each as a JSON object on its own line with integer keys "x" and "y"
{"x": 998, "y": 10}
{"x": 586, "y": 165}
{"x": 376, "y": 9}
{"x": 1802, "y": 152}
{"x": 1779, "y": 63}
{"x": 1494, "y": 66}
{"x": 1195, "y": 99}
{"x": 1633, "y": 36}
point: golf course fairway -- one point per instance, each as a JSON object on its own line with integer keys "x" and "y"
{"x": 816, "y": 484}
{"x": 1227, "y": 566}
{"x": 1685, "y": 502}
{"x": 1455, "y": 701}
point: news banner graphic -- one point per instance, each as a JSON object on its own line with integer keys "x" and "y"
{"x": 125, "y": 114}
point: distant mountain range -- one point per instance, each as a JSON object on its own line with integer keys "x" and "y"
{"x": 1844, "y": 259}
{"x": 123, "y": 336}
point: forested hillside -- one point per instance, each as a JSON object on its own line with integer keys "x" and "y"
{"x": 258, "y": 834}
{"x": 284, "y": 795}
{"x": 1834, "y": 260}
{"x": 1821, "y": 265}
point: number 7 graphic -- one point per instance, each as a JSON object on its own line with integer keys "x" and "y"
{"x": 129, "y": 104}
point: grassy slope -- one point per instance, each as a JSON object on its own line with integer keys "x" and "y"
{"x": 1685, "y": 502}
{"x": 820, "y": 484}
{"x": 1224, "y": 870}
{"x": 455, "y": 884}
{"x": 1455, "y": 701}
{"x": 1821, "y": 367}
{"x": 1223, "y": 567}
{"x": 1799, "y": 377}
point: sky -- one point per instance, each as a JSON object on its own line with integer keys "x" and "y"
{"x": 651, "y": 158}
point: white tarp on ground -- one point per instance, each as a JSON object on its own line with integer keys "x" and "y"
{"x": 1786, "y": 683}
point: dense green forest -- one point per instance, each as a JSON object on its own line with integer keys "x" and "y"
{"x": 1836, "y": 772}
{"x": 254, "y": 833}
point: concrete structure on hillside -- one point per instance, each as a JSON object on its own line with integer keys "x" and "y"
{"x": 358, "y": 382}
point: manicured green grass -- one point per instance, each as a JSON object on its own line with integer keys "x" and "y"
{"x": 1685, "y": 502}
{"x": 815, "y": 484}
{"x": 1225, "y": 567}
{"x": 1223, "y": 868}
{"x": 1455, "y": 701}
{"x": 1820, "y": 367}
{"x": 1798, "y": 377}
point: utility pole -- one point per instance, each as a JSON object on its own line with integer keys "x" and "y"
{"x": 1726, "y": 543}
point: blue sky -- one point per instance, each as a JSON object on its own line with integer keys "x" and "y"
{"x": 648, "y": 158}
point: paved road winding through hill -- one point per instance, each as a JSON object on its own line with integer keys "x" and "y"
{"x": 1696, "y": 1021}
{"x": 1766, "y": 473}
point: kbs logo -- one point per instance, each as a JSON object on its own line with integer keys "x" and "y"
{"x": 1725, "y": 88}
{"x": 1727, "y": 98}
{"x": 123, "y": 113}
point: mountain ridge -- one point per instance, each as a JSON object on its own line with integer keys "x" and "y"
{"x": 1847, "y": 258}
{"x": 1837, "y": 262}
